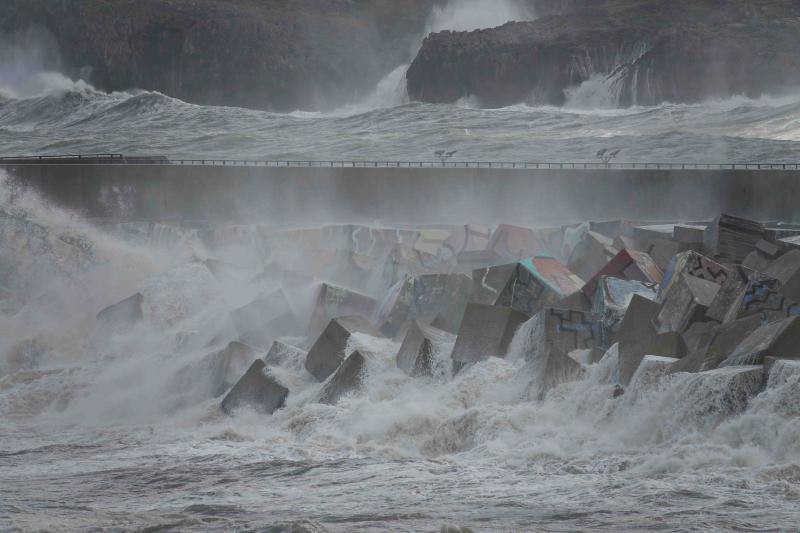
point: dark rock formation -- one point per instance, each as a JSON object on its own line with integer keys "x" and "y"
{"x": 649, "y": 51}
{"x": 267, "y": 54}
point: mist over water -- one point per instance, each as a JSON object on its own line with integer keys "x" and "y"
{"x": 79, "y": 119}
{"x": 455, "y": 15}
{"x": 43, "y": 111}
{"x": 105, "y": 429}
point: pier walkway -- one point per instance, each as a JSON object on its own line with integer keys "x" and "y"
{"x": 118, "y": 188}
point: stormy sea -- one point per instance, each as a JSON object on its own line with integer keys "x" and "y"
{"x": 119, "y": 427}
{"x": 55, "y": 115}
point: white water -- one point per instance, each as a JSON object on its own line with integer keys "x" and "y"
{"x": 82, "y": 120}
{"x": 598, "y": 92}
{"x": 101, "y": 431}
{"x": 455, "y": 15}
{"x": 45, "y": 112}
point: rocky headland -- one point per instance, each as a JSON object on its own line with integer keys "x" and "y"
{"x": 645, "y": 52}
{"x": 278, "y": 55}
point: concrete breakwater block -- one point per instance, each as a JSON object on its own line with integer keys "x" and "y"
{"x": 347, "y": 379}
{"x": 651, "y": 370}
{"x": 514, "y": 242}
{"x": 684, "y": 304}
{"x": 591, "y": 254}
{"x": 489, "y": 282}
{"x": 535, "y": 283}
{"x": 786, "y": 269}
{"x": 283, "y": 354}
{"x": 256, "y": 389}
{"x": 730, "y": 239}
{"x": 415, "y": 357}
{"x": 779, "y": 339}
{"x": 425, "y": 297}
{"x": 695, "y": 265}
{"x": 267, "y": 317}
{"x": 660, "y": 250}
{"x": 327, "y": 353}
{"x": 722, "y": 340}
{"x": 724, "y": 308}
{"x": 560, "y": 368}
{"x": 122, "y": 316}
{"x": 549, "y": 337}
{"x": 215, "y": 374}
{"x": 403, "y": 262}
{"x": 779, "y": 371}
{"x": 334, "y": 301}
{"x": 762, "y": 296}
{"x": 228, "y": 365}
{"x": 486, "y": 331}
{"x": 635, "y": 334}
{"x": 626, "y": 265}
{"x": 611, "y": 300}
{"x": 715, "y": 395}
{"x": 468, "y": 261}
{"x": 688, "y": 233}
{"x": 764, "y": 255}
{"x": 563, "y": 330}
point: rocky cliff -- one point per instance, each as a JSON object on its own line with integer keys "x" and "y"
{"x": 269, "y": 54}
{"x": 643, "y": 51}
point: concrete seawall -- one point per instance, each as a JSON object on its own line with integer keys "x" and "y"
{"x": 292, "y": 196}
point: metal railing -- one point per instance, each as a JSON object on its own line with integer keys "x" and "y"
{"x": 112, "y": 159}
{"x": 72, "y": 157}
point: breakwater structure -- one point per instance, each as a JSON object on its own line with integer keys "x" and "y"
{"x": 554, "y": 355}
{"x": 120, "y": 188}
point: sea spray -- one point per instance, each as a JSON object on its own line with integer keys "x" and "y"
{"x": 455, "y": 15}
{"x": 121, "y": 418}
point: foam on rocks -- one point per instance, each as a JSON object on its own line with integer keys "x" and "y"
{"x": 267, "y": 317}
{"x": 257, "y": 389}
{"x": 284, "y": 354}
{"x": 486, "y": 331}
{"x": 228, "y": 365}
{"x": 121, "y": 317}
{"x": 347, "y": 379}
{"x": 699, "y": 315}
{"x": 780, "y": 340}
{"x": 422, "y": 343}
{"x": 328, "y": 352}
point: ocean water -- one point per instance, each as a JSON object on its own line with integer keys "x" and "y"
{"x": 55, "y": 115}
{"x": 123, "y": 431}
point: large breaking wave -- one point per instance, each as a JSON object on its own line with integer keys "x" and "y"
{"x": 79, "y": 119}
